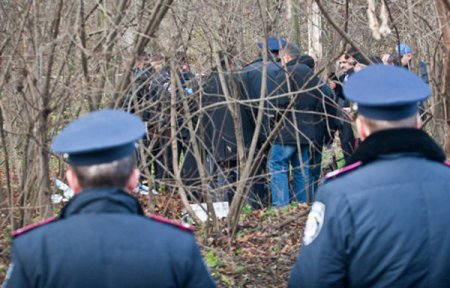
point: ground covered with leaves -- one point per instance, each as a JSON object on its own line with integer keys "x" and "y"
{"x": 264, "y": 251}
{"x": 261, "y": 255}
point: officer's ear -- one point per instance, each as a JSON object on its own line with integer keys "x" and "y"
{"x": 418, "y": 122}
{"x": 133, "y": 181}
{"x": 72, "y": 180}
{"x": 363, "y": 129}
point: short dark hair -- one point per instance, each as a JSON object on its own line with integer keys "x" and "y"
{"x": 355, "y": 54}
{"x": 112, "y": 174}
{"x": 143, "y": 57}
{"x": 181, "y": 56}
{"x": 307, "y": 60}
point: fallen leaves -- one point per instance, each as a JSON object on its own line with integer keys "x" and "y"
{"x": 264, "y": 251}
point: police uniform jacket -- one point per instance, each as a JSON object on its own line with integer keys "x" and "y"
{"x": 302, "y": 119}
{"x": 384, "y": 222}
{"x": 103, "y": 239}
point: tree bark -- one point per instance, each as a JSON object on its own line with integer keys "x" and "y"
{"x": 314, "y": 30}
{"x": 444, "y": 20}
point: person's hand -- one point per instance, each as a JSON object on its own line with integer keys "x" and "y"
{"x": 348, "y": 112}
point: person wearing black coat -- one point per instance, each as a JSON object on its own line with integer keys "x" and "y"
{"x": 325, "y": 129}
{"x": 299, "y": 128}
{"x": 251, "y": 78}
{"x": 102, "y": 238}
{"x": 347, "y": 65}
{"x": 219, "y": 131}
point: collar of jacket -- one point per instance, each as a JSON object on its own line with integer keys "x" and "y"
{"x": 295, "y": 61}
{"x": 102, "y": 200}
{"x": 395, "y": 141}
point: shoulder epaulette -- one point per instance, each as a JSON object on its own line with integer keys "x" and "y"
{"x": 343, "y": 170}
{"x": 161, "y": 219}
{"x": 33, "y": 226}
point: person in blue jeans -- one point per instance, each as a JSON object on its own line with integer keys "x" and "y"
{"x": 300, "y": 110}
{"x": 281, "y": 157}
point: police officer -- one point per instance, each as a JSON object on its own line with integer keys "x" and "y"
{"x": 382, "y": 221}
{"x": 102, "y": 238}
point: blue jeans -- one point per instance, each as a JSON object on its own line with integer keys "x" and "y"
{"x": 280, "y": 158}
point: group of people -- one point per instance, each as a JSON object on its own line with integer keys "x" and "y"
{"x": 216, "y": 127}
{"x": 300, "y": 114}
{"x": 381, "y": 221}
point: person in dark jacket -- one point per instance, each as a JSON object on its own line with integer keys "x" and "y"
{"x": 102, "y": 238}
{"x": 382, "y": 221}
{"x": 251, "y": 78}
{"x": 325, "y": 129}
{"x": 347, "y": 65}
{"x": 351, "y": 61}
{"x": 219, "y": 128}
{"x": 298, "y": 131}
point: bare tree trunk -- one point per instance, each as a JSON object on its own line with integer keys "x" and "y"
{"x": 173, "y": 139}
{"x": 444, "y": 20}
{"x": 239, "y": 194}
{"x": 84, "y": 56}
{"x": 293, "y": 17}
{"x": 5, "y": 197}
{"x": 45, "y": 190}
{"x": 340, "y": 31}
{"x": 314, "y": 30}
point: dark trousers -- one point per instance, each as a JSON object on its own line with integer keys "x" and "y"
{"x": 315, "y": 170}
{"x": 347, "y": 140}
{"x": 258, "y": 196}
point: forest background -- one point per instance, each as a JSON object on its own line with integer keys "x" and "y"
{"x": 60, "y": 59}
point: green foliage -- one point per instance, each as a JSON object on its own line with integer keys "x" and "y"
{"x": 286, "y": 208}
{"x": 223, "y": 278}
{"x": 271, "y": 212}
{"x": 247, "y": 209}
{"x": 239, "y": 269}
{"x": 341, "y": 162}
{"x": 212, "y": 260}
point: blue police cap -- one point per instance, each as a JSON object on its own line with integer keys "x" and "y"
{"x": 99, "y": 137}
{"x": 386, "y": 92}
{"x": 403, "y": 49}
{"x": 273, "y": 43}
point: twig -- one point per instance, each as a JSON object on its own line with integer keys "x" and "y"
{"x": 342, "y": 33}
{"x": 292, "y": 219}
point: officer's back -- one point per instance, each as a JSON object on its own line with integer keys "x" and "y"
{"x": 382, "y": 221}
{"x": 102, "y": 238}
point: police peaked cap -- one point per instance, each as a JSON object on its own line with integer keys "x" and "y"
{"x": 99, "y": 137}
{"x": 403, "y": 49}
{"x": 273, "y": 43}
{"x": 386, "y": 92}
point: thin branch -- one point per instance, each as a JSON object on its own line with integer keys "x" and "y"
{"x": 342, "y": 33}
